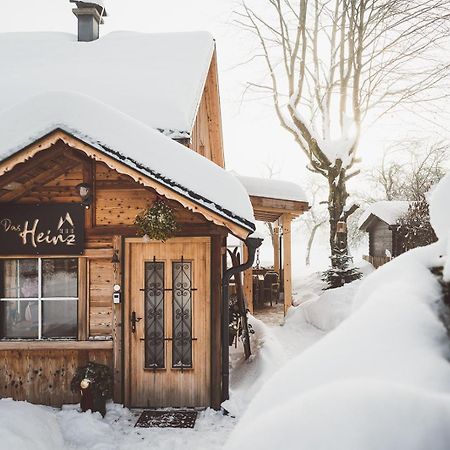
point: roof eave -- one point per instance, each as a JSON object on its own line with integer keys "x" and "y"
{"x": 238, "y": 226}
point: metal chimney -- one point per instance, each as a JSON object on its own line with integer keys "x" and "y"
{"x": 90, "y": 15}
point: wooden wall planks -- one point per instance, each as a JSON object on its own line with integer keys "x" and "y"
{"x": 44, "y": 376}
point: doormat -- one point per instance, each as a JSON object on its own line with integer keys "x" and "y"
{"x": 167, "y": 419}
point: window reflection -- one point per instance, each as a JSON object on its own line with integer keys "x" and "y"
{"x": 20, "y": 319}
{"x": 38, "y": 298}
{"x": 59, "y": 277}
{"x": 20, "y": 278}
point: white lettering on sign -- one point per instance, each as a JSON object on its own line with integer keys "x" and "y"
{"x": 31, "y": 234}
{"x": 7, "y": 225}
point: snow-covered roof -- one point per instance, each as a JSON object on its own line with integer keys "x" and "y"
{"x": 100, "y": 3}
{"x": 387, "y": 211}
{"x": 157, "y": 79}
{"x": 270, "y": 188}
{"x": 130, "y": 142}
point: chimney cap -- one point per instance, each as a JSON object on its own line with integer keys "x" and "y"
{"x": 99, "y": 5}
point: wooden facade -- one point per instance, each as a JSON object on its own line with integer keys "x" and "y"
{"x": 47, "y": 172}
{"x": 384, "y": 241}
{"x": 40, "y": 371}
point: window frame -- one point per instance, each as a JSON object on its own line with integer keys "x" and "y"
{"x": 40, "y": 299}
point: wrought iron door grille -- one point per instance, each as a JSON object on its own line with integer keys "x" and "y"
{"x": 182, "y": 314}
{"x": 154, "y": 315}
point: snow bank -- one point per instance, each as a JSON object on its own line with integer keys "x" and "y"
{"x": 247, "y": 377}
{"x": 439, "y": 209}
{"x": 353, "y": 415}
{"x": 324, "y": 309}
{"x": 28, "y": 427}
{"x": 379, "y": 381}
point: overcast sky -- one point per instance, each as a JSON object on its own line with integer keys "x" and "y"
{"x": 253, "y": 137}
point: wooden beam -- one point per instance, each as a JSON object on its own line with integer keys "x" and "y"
{"x": 276, "y": 248}
{"x": 35, "y": 183}
{"x": 248, "y": 282}
{"x": 286, "y": 220}
{"x": 56, "y": 345}
{"x": 276, "y": 205}
{"x": 216, "y": 308}
{"x": 83, "y": 317}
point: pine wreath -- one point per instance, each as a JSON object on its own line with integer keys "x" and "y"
{"x": 157, "y": 222}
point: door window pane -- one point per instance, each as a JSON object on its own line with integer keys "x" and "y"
{"x": 59, "y": 319}
{"x": 154, "y": 315}
{"x": 60, "y": 277}
{"x": 182, "y": 315}
{"x": 19, "y": 319}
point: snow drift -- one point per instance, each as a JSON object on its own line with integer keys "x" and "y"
{"x": 28, "y": 427}
{"x": 380, "y": 380}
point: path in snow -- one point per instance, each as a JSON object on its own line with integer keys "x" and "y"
{"x": 296, "y": 337}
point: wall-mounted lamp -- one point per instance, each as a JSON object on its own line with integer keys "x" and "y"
{"x": 84, "y": 191}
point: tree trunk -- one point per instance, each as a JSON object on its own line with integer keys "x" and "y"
{"x": 310, "y": 242}
{"x": 336, "y": 203}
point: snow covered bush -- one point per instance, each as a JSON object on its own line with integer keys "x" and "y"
{"x": 414, "y": 228}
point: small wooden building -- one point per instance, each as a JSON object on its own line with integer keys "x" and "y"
{"x": 76, "y": 282}
{"x": 379, "y": 220}
{"x": 92, "y": 134}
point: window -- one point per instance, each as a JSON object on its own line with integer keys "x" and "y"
{"x": 38, "y": 298}
{"x": 154, "y": 315}
{"x": 182, "y": 314}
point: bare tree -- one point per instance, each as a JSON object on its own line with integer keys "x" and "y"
{"x": 317, "y": 214}
{"x": 332, "y": 62}
{"x": 423, "y": 165}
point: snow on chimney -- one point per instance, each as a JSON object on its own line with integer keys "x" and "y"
{"x": 90, "y": 15}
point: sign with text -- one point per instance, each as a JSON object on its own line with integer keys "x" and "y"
{"x": 56, "y": 229}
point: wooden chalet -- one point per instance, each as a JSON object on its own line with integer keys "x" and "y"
{"x": 87, "y": 142}
{"x": 379, "y": 220}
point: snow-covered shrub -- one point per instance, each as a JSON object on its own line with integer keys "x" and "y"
{"x": 414, "y": 228}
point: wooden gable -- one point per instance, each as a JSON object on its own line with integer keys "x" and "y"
{"x": 206, "y": 135}
{"x": 35, "y": 167}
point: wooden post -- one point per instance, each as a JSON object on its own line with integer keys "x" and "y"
{"x": 217, "y": 245}
{"x": 117, "y": 326}
{"x": 248, "y": 281}
{"x": 276, "y": 248}
{"x": 286, "y": 220}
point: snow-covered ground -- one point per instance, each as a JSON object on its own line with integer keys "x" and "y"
{"x": 29, "y": 427}
{"x": 380, "y": 380}
{"x": 363, "y": 367}
{"x": 272, "y": 345}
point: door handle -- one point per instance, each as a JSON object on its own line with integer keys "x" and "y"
{"x": 134, "y": 321}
